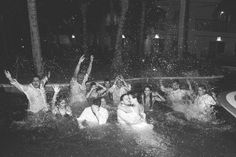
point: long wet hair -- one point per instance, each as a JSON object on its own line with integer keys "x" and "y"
{"x": 144, "y": 96}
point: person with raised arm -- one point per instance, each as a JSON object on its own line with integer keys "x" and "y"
{"x": 149, "y": 97}
{"x": 78, "y": 99}
{"x": 96, "y": 90}
{"x": 119, "y": 88}
{"x": 35, "y": 92}
{"x": 59, "y": 104}
{"x": 107, "y": 94}
{"x": 203, "y": 106}
{"x": 175, "y": 93}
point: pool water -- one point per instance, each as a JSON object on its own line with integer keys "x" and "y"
{"x": 172, "y": 135}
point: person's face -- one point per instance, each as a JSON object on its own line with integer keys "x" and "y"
{"x": 132, "y": 100}
{"x": 119, "y": 83}
{"x": 80, "y": 78}
{"x": 107, "y": 84}
{"x": 147, "y": 91}
{"x": 36, "y": 82}
{"x": 63, "y": 103}
{"x": 175, "y": 85}
{"x": 94, "y": 86}
{"x": 103, "y": 102}
{"x": 126, "y": 100}
{"x": 201, "y": 91}
{"x": 87, "y": 86}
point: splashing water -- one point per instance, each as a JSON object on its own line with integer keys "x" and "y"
{"x": 172, "y": 135}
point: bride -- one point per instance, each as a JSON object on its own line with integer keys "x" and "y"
{"x": 131, "y": 112}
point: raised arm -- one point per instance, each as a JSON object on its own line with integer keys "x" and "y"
{"x": 45, "y": 79}
{"x": 158, "y": 97}
{"x": 89, "y": 93}
{"x": 101, "y": 91}
{"x": 111, "y": 89}
{"x": 8, "y": 75}
{"x": 190, "y": 87}
{"x": 127, "y": 86}
{"x": 164, "y": 89}
{"x": 88, "y": 70}
{"x": 56, "y": 89}
{"x": 78, "y": 66}
{"x": 14, "y": 82}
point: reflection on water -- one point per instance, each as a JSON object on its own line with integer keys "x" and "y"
{"x": 172, "y": 135}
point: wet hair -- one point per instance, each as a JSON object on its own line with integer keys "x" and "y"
{"x": 202, "y": 86}
{"x": 122, "y": 96}
{"x": 147, "y": 86}
{"x": 62, "y": 96}
{"x": 144, "y": 96}
{"x": 106, "y": 80}
{"x": 97, "y": 101}
{"x": 35, "y": 75}
{"x": 176, "y": 81}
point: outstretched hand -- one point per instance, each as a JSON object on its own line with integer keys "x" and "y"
{"x": 7, "y": 74}
{"x": 188, "y": 82}
{"x": 56, "y": 88}
{"x": 81, "y": 59}
{"x": 49, "y": 74}
{"x": 91, "y": 57}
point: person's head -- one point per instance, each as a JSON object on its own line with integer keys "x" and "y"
{"x": 107, "y": 83}
{"x": 62, "y": 103}
{"x": 80, "y": 78}
{"x": 147, "y": 90}
{"x": 36, "y": 81}
{"x": 119, "y": 81}
{"x": 103, "y": 102}
{"x": 93, "y": 85}
{"x": 201, "y": 90}
{"x": 97, "y": 102}
{"x": 133, "y": 96}
{"x": 62, "y": 100}
{"x": 87, "y": 84}
{"x": 125, "y": 99}
{"x": 175, "y": 84}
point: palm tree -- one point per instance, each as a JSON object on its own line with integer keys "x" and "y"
{"x": 117, "y": 63}
{"x": 182, "y": 32}
{"x": 35, "y": 38}
{"x": 142, "y": 23}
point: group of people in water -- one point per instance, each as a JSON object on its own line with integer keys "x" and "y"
{"x": 91, "y": 102}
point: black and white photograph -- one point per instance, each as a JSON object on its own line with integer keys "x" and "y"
{"x": 117, "y": 78}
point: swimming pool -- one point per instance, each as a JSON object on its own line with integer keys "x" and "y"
{"x": 172, "y": 136}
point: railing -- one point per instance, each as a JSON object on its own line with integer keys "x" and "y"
{"x": 10, "y": 88}
{"x": 214, "y": 26}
